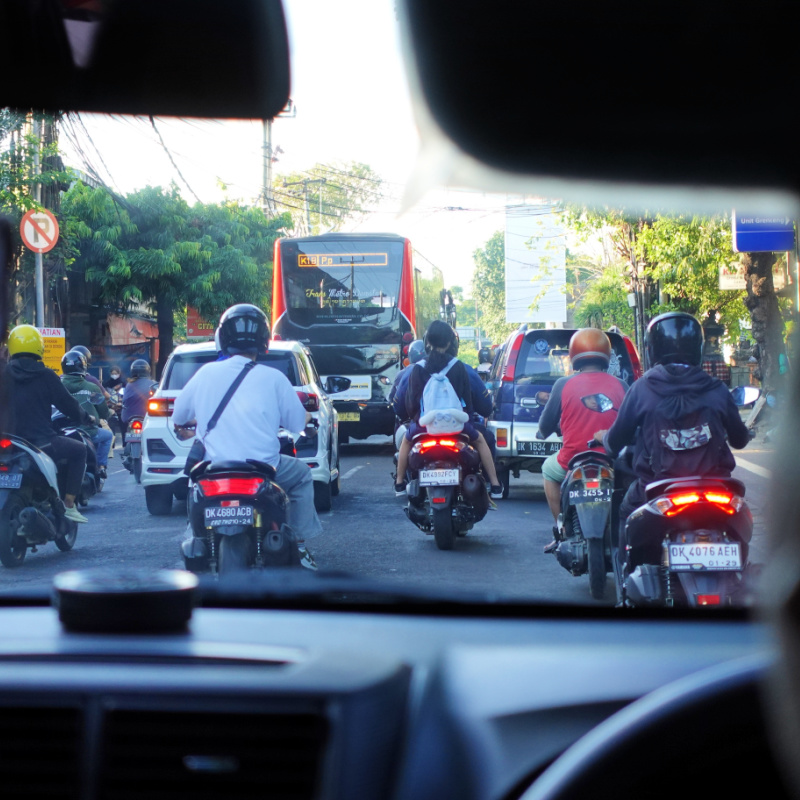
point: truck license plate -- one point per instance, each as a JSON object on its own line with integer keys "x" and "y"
{"x": 228, "y": 515}
{"x": 537, "y": 448}
{"x": 705, "y": 556}
{"x": 349, "y": 416}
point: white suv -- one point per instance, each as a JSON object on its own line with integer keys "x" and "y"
{"x": 164, "y": 455}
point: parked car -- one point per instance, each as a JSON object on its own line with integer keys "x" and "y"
{"x": 164, "y": 454}
{"x": 524, "y": 370}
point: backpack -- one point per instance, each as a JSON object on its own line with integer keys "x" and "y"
{"x": 441, "y": 410}
{"x": 690, "y": 444}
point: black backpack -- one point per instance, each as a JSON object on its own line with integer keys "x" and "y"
{"x": 690, "y": 441}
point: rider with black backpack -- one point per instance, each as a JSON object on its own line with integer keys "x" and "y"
{"x": 684, "y": 417}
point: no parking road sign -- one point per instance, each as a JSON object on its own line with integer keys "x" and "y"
{"x": 39, "y": 230}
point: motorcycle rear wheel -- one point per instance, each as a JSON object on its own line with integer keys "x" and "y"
{"x": 443, "y": 531}
{"x": 137, "y": 469}
{"x": 234, "y": 553}
{"x": 597, "y": 568}
{"x": 66, "y": 542}
{"x": 12, "y": 547}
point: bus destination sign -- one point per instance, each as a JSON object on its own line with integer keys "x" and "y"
{"x": 342, "y": 260}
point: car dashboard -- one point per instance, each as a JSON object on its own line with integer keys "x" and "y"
{"x": 330, "y": 703}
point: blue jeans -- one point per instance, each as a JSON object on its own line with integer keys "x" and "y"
{"x": 102, "y": 442}
{"x": 294, "y": 477}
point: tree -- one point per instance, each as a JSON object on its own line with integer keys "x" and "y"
{"x": 328, "y": 195}
{"x": 153, "y": 248}
{"x": 489, "y": 287}
{"x": 604, "y": 301}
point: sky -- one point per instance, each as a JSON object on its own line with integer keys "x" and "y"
{"x": 350, "y": 90}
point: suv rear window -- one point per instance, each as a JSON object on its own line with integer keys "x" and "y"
{"x": 544, "y": 357}
{"x": 182, "y": 367}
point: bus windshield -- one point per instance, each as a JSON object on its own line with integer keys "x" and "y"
{"x": 342, "y": 281}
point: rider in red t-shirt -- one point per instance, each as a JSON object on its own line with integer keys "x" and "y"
{"x": 581, "y": 404}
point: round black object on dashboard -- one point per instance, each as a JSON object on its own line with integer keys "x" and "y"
{"x": 106, "y": 600}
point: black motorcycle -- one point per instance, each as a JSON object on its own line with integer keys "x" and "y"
{"x": 586, "y": 525}
{"x": 238, "y": 515}
{"x": 92, "y": 482}
{"x": 447, "y": 494}
{"x": 132, "y": 453}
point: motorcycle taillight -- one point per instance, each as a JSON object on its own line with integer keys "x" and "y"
{"x": 447, "y": 443}
{"x": 136, "y": 425}
{"x": 213, "y": 487}
{"x": 6, "y": 444}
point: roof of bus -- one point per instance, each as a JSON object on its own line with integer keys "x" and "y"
{"x": 210, "y": 346}
{"x": 327, "y": 237}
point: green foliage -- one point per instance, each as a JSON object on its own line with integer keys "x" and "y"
{"x": 427, "y": 301}
{"x": 605, "y": 302}
{"x": 336, "y": 193}
{"x": 489, "y": 288}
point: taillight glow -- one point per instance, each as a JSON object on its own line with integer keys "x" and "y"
{"x": 592, "y": 484}
{"x": 213, "y": 487}
{"x": 675, "y": 503}
{"x": 5, "y": 444}
{"x": 449, "y": 444}
{"x": 160, "y": 406}
{"x": 136, "y": 425}
{"x": 511, "y": 362}
{"x": 438, "y": 500}
{"x": 708, "y": 600}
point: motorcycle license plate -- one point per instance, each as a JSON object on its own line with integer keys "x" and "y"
{"x": 586, "y": 495}
{"x": 10, "y": 481}
{"x": 133, "y": 437}
{"x": 705, "y": 556}
{"x": 438, "y": 477}
{"x": 538, "y": 448}
{"x": 228, "y": 515}
{"x": 349, "y": 416}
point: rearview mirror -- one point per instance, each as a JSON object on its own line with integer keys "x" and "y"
{"x": 196, "y": 58}
{"x": 745, "y": 395}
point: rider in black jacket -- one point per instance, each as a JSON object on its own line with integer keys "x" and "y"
{"x": 32, "y": 390}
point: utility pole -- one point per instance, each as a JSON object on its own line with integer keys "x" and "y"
{"x": 37, "y": 193}
{"x": 289, "y": 112}
{"x": 306, "y": 182}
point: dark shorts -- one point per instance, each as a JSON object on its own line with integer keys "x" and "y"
{"x": 414, "y": 429}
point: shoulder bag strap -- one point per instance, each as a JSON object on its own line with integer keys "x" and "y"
{"x": 212, "y": 423}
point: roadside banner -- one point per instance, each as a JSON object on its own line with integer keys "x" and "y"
{"x": 54, "y": 347}
{"x": 197, "y": 327}
{"x": 732, "y": 278}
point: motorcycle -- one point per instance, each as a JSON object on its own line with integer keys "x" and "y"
{"x": 688, "y": 545}
{"x": 586, "y": 524}
{"x": 92, "y": 483}
{"x": 132, "y": 454}
{"x": 31, "y": 509}
{"x": 446, "y": 492}
{"x": 237, "y": 514}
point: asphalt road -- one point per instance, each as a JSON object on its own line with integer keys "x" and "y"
{"x": 366, "y": 533}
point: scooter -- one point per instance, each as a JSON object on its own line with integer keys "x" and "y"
{"x": 92, "y": 483}
{"x": 132, "y": 454}
{"x": 688, "y": 545}
{"x": 237, "y": 514}
{"x": 586, "y": 523}
{"x": 446, "y": 492}
{"x": 31, "y": 509}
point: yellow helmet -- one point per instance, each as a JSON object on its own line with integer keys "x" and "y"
{"x": 25, "y": 339}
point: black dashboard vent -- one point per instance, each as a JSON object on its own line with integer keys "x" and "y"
{"x": 40, "y": 752}
{"x": 208, "y": 755}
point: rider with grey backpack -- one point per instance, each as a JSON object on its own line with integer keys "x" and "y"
{"x": 439, "y": 338}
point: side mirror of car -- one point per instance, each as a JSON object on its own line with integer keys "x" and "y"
{"x": 745, "y": 395}
{"x": 334, "y": 384}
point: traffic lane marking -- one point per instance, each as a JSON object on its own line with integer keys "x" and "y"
{"x": 749, "y": 465}
{"x": 352, "y": 471}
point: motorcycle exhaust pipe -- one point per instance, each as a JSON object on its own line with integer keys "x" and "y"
{"x": 474, "y": 491}
{"x": 36, "y": 525}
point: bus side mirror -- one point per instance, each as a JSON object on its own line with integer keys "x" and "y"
{"x": 334, "y": 384}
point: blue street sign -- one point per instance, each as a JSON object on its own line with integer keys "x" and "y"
{"x": 754, "y": 233}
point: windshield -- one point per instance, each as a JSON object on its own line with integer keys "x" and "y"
{"x": 356, "y": 229}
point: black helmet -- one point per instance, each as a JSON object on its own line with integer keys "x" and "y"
{"x": 87, "y": 353}
{"x": 73, "y": 363}
{"x": 140, "y": 369}
{"x": 440, "y": 334}
{"x": 243, "y": 330}
{"x": 674, "y": 338}
{"x": 484, "y": 355}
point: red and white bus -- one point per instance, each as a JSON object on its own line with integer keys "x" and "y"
{"x": 349, "y": 297}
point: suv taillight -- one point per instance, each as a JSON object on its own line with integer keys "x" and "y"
{"x": 310, "y": 401}
{"x": 511, "y": 362}
{"x": 160, "y": 406}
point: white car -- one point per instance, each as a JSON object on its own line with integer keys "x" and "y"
{"x": 164, "y": 454}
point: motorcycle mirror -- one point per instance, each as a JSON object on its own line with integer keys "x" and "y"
{"x": 745, "y": 395}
